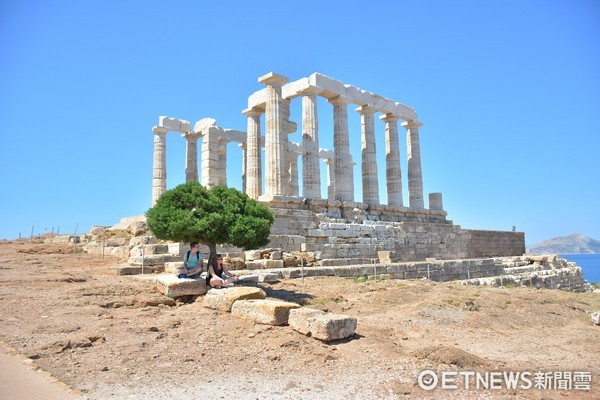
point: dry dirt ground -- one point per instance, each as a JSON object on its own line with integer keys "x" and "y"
{"x": 115, "y": 337}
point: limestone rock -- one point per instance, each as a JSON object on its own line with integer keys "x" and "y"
{"x": 253, "y": 255}
{"x": 137, "y": 228}
{"x": 235, "y": 263}
{"x": 223, "y": 299}
{"x": 290, "y": 261}
{"x": 596, "y": 317}
{"x": 271, "y": 312}
{"x": 97, "y": 230}
{"x": 321, "y": 325}
{"x": 139, "y": 240}
{"x": 173, "y": 267}
{"x": 171, "y": 286}
{"x": 268, "y": 277}
{"x": 264, "y": 264}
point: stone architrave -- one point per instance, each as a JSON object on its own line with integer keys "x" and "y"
{"x": 191, "y": 156}
{"x": 415, "y": 176}
{"x": 253, "y": 155}
{"x": 276, "y": 139}
{"x": 211, "y": 164}
{"x": 370, "y": 182}
{"x": 159, "y": 165}
{"x": 311, "y": 174}
{"x": 393, "y": 172}
{"x": 341, "y": 144}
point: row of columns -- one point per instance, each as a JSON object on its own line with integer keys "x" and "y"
{"x": 281, "y": 167}
{"x": 280, "y": 182}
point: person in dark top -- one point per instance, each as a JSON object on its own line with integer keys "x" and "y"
{"x": 218, "y": 276}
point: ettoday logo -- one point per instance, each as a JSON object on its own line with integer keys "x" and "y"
{"x": 497, "y": 380}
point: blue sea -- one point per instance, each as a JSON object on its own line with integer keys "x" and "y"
{"x": 589, "y": 263}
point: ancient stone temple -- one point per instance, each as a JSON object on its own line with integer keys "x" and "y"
{"x": 338, "y": 229}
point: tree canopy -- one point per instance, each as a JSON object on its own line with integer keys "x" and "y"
{"x": 220, "y": 215}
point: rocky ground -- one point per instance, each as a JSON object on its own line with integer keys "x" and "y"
{"x": 116, "y": 337}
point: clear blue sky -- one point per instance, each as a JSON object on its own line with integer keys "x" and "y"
{"x": 508, "y": 91}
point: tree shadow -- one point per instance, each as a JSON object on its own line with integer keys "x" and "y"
{"x": 289, "y": 295}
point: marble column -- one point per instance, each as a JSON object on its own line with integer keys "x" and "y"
{"x": 293, "y": 173}
{"x": 341, "y": 144}
{"x": 415, "y": 176}
{"x": 351, "y": 183}
{"x": 435, "y": 202}
{"x": 210, "y": 160}
{"x": 276, "y": 140}
{"x": 243, "y": 146}
{"x": 222, "y": 175}
{"x": 330, "y": 179}
{"x": 191, "y": 156}
{"x": 253, "y": 155}
{"x": 370, "y": 182}
{"x": 311, "y": 174}
{"x": 159, "y": 164}
{"x": 393, "y": 173}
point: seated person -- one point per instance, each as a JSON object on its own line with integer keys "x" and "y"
{"x": 193, "y": 263}
{"x": 218, "y": 276}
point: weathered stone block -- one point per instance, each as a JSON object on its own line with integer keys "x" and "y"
{"x": 270, "y": 312}
{"x": 321, "y": 325}
{"x": 171, "y": 286}
{"x": 268, "y": 277}
{"x": 223, "y": 299}
{"x": 173, "y": 267}
{"x": 253, "y": 255}
{"x": 139, "y": 240}
{"x": 264, "y": 264}
{"x": 248, "y": 279}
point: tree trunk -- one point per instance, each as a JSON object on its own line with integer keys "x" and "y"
{"x": 212, "y": 256}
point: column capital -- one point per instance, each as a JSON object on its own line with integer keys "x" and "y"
{"x": 365, "y": 110}
{"x": 159, "y": 130}
{"x": 253, "y": 112}
{"x": 311, "y": 91}
{"x": 411, "y": 124}
{"x": 328, "y": 161}
{"x": 191, "y": 135}
{"x": 389, "y": 118}
{"x": 273, "y": 79}
{"x": 340, "y": 101}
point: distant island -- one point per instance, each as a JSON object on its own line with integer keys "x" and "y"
{"x": 576, "y": 243}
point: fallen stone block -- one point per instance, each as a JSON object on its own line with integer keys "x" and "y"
{"x": 247, "y": 279}
{"x": 171, "y": 286}
{"x": 264, "y": 264}
{"x": 223, "y": 299}
{"x": 321, "y": 325}
{"x": 173, "y": 267}
{"x": 133, "y": 270}
{"x": 596, "y": 318}
{"x": 268, "y": 277}
{"x": 270, "y": 312}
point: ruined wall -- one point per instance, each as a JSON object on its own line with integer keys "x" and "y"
{"x": 493, "y": 243}
{"x": 345, "y": 234}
